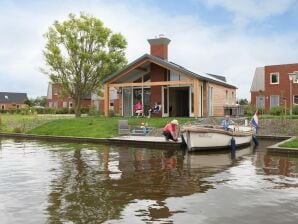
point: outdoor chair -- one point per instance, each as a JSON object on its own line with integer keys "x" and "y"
{"x": 123, "y": 127}
{"x": 156, "y": 113}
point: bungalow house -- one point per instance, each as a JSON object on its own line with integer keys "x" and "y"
{"x": 181, "y": 93}
{"x": 55, "y": 100}
{"x": 275, "y": 85}
{"x": 10, "y": 100}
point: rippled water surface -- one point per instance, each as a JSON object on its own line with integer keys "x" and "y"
{"x": 43, "y": 182}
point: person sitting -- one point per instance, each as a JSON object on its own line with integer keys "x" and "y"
{"x": 138, "y": 108}
{"x": 153, "y": 109}
{"x": 227, "y": 122}
{"x": 170, "y": 131}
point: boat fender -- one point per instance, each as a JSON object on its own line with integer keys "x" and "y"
{"x": 233, "y": 144}
{"x": 183, "y": 142}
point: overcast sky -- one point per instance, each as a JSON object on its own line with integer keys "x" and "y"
{"x": 224, "y": 37}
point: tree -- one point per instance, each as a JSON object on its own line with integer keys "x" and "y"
{"x": 40, "y": 101}
{"x": 80, "y": 53}
{"x": 243, "y": 101}
{"x": 29, "y": 102}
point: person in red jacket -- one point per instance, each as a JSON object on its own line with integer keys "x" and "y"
{"x": 170, "y": 131}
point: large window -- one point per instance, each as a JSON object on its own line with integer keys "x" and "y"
{"x": 274, "y": 101}
{"x": 274, "y": 78}
{"x": 295, "y": 99}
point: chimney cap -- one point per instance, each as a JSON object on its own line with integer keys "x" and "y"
{"x": 161, "y": 39}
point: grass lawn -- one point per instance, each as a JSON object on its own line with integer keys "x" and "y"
{"x": 291, "y": 144}
{"x": 99, "y": 127}
{"x": 16, "y": 123}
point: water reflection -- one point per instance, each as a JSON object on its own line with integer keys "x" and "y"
{"x": 85, "y": 183}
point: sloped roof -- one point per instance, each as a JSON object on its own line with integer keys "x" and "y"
{"x": 8, "y": 97}
{"x": 202, "y": 76}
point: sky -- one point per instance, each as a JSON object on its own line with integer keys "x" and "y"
{"x": 223, "y": 37}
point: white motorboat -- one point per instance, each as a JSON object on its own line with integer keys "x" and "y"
{"x": 215, "y": 137}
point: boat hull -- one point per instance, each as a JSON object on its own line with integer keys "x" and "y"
{"x": 210, "y": 138}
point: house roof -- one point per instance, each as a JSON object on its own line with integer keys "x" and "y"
{"x": 7, "y": 97}
{"x": 202, "y": 76}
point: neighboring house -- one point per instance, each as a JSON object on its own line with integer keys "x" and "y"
{"x": 271, "y": 86}
{"x": 180, "y": 92}
{"x": 98, "y": 101}
{"x": 55, "y": 100}
{"x": 12, "y": 100}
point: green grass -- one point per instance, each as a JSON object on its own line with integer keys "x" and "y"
{"x": 98, "y": 127}
{"x": 291, "y": 144}
{"x": 11, "y": 123}
{"x": 267, "y": 116}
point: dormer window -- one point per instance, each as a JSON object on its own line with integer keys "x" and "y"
{"x": 274, "y": 78}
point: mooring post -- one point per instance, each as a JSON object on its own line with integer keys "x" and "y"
{"x": 255, "y": 140}
{"x": 233, "y": 145}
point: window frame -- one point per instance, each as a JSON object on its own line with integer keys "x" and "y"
{"x": 295, "y": 79}
{"x": 271, "y": 75}
{"x": 294, "y": 99}
{"x": 278, "y": 101}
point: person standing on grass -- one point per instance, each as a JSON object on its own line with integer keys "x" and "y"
{"x": 170, "y": 131}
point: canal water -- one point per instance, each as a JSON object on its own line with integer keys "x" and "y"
{"x": 43, "y": 182}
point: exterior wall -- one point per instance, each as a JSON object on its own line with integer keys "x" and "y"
{"x": 220, "y": 100}
{"x": 55, "y": 100}
{"x": 157, "y": 74}
{"x": 282, "y": 89}
{"x": 8, "y": 106}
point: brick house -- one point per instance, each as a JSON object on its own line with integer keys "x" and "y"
{"x": 10, "y": 100}
{"x": 55, "y": 100}
{"x": 181, "y": 93}
{"x": 271, "y": 86}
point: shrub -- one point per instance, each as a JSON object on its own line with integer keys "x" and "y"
{"x": 92, "y": 110}
{"x": 277, "y": 111}
{"x": 50, "y": 110}
{"x": 62, "y": 111}
{"x": 295, "y": 110}
{"x": 18, "y": 130}
{"x": 249, "y": 110}
{"x": 25, "y": 111}
{"x": 112, "y": 113}
{"x": 84, "y": 110}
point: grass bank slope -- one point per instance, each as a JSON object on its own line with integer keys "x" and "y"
{"x": 97, "y": 127}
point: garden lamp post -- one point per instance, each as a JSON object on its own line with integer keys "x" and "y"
{"x": 291, "y": 78}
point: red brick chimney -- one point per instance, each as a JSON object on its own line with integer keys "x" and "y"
{"x": 159, "y": 47}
